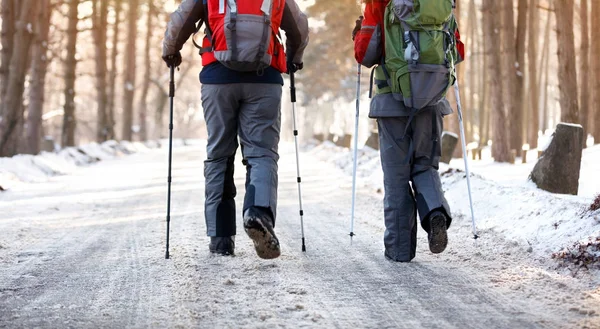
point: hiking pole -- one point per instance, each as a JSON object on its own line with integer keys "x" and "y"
{"x": 464, "y": 147}
{"x": 358, "y": 70}
{"x": 172, "y": 97}
{"x": 298, "y": 179}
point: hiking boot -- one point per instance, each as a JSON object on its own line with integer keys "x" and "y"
{"x": 437, "y": 235}
{"x": 222, "y": 245}
{"x": 258, "y": 223}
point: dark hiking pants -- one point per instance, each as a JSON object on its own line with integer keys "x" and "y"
{"x": 410, "y": 155}
{"x": 250, "y": 112}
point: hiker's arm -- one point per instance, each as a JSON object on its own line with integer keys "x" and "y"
{"x": 295, "y": 25}
{"x": 181, "y": 25}
{"x": 460, "y": 47}
{"x": 368, "y": 41}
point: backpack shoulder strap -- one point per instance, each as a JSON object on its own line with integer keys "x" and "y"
{"x": 208, "y": 31}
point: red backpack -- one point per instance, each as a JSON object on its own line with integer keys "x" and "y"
{"x": 243, "y": 34}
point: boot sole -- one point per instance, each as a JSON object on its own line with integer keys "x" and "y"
{"x": 439, "y": 235}
{"x": 265, "y": 243}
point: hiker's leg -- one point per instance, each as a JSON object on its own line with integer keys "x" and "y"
{"x": 427, "y": 129}
{"x": 400, "y": 237}
{"x": 259, "y": 129}
{"x": 220, "y": 104}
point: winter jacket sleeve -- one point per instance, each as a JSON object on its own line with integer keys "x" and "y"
{"x": 369, "y": 41}
{"x": 460, "y": 47}
{"x": 181, "y": 25}
{"x": 295, "y": 25}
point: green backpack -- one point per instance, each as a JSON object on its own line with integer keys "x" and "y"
{"x": 420, "y": 50}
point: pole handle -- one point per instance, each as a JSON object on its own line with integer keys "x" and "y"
{"x": 293, "y": 87}
{"x": 172, "y": 82}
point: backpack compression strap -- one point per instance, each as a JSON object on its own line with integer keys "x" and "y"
{"x": 266, "y": 8}
{"x": 232, "y": 26}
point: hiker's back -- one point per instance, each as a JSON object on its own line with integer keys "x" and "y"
{"x": 414, "y": 43}
{"x": 420, "y": 50}
{"x": 242, "y": 35}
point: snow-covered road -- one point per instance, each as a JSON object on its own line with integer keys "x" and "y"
{"x": 87, "y": 250}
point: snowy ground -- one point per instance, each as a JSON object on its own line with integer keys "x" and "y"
{"x": 86, "y": 249}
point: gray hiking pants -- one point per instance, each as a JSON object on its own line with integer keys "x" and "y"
{"x": 251, "y": 112}
{"x": 410, "y": 155}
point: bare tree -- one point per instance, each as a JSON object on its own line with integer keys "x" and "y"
{"x": 12, "y": 120}
{"x": 143, "y": 109}
{"x": 545, "y": 69}
{"x": 7, "y": 34}
{"x": 596, "y": 67}
{"x": 584, "y": 67}
{"x": 129, "y": 83}
{"x": 39, "y": 66}
{"x": 520, "y": 71}
{"x": 500, "y": 150}
{"x": 100, "y": 21}
{"x": 534, "y": 94}
{"x": 461, "y": 69}
{"x": 510, "y": 74}
{"x": 112, "y": 81}
{"x": 473, "y": 71}
{"x": 567, "y": 72}
{"x": 70, "y": 62}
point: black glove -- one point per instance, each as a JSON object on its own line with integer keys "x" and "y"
{"x": 173, "y": 60}
{"x": 294, "y": 67}
{"x": 357, "y": 27}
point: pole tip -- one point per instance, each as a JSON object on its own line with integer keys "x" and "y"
{"x": 167, "y": 255}
{"x": 475, "y": 236}
{"x": 303, "y": 248}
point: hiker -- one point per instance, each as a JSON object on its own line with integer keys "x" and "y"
{"x": 413, "y": 73}
{"x": 242, "y": 60}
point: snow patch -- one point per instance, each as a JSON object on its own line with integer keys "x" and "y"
{"x": 39, "y": 168}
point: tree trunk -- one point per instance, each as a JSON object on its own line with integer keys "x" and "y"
{"x": 510, "y": 74}
{"x": 112, "y": 84}
{"x": 545, "y": 69}
{"x": 39, "y": 67}
{"x": 584, "y": 73}
{"x": 69, "y": 120}
{"x": 129, "y": 83}
{"x": 473, "y": 32}
{"x": 461, "y": 71}
{"x": 596, "y": 67}
{"x": 534, "y": 94}
{"x": 520, "y": 100}
{"x": 7, "y": 34}
{"x": 484, "y": 88}
{"x": 143, "y": 110}
{"x": 12, "y": 120}
{"x": 500, "y": 150}
{"x": 567, "y": 68}
{"x": 99, "y": 32}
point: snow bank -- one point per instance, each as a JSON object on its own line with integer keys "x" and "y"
{"x": 38, "y": 168}
{"x": 505, "y": 201}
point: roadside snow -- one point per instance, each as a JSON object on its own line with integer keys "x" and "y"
{"x": 505, "y": 201}
{"x": 38, "y": 168}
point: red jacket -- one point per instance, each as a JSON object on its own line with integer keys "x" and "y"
{"x": 369, "y": 41}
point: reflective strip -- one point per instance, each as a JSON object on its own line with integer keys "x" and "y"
{"x": 221, "y": 6}
{"x": 266, "y": 7}
{"x": 232, "y": 6}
